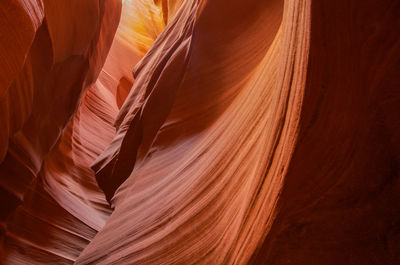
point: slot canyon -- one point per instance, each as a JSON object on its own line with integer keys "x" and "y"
{"x": 200, "y": 132}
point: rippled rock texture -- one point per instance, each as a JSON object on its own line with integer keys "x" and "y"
{"x": 199, "y": 132}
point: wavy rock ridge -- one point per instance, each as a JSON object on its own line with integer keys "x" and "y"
{"x": 257, "y": 132}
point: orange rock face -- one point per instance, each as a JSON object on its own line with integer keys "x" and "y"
{"x": 199, "y": 132}
{"x": 57, "y": 51}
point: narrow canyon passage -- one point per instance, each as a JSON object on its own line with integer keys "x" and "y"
{"x": 199, "y": 132}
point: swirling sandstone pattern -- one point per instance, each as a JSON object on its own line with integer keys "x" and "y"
{"x": 63, "y": 55}
{"x": 251, "y": 132}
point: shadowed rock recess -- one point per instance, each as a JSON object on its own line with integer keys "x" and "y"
{"x": 200, "y": 132}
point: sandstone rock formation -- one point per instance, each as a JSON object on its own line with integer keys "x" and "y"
{"x": 199, "y": 132}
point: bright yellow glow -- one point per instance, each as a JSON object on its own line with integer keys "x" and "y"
{"x": 141, "y": 22}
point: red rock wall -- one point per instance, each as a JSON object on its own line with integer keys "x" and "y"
{"x": 208, "y": 133}
{"x": 59, "y": 62}
{"x": 64, "y": 208}
{"x": 251, "y": 132}
{"x": 63, "y": 53}
{"x": 340, "y": 202}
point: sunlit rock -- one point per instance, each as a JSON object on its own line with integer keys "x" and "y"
{"x": 199, "y": 132}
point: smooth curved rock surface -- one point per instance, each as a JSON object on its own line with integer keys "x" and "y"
{"x": 340, "y": 202}
{"x": 61, "y": 62}
{"x": 208, "y": 143}
{"x": 62, "y": 58}
{"x": 216, "y": 132}
{"x": 66, "y": 186}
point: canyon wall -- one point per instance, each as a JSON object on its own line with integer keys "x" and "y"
{"x": 215, "y": 132}
{"x": 52, "y": 53}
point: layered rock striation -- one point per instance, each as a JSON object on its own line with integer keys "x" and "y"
{"x": 215, "y": 132}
